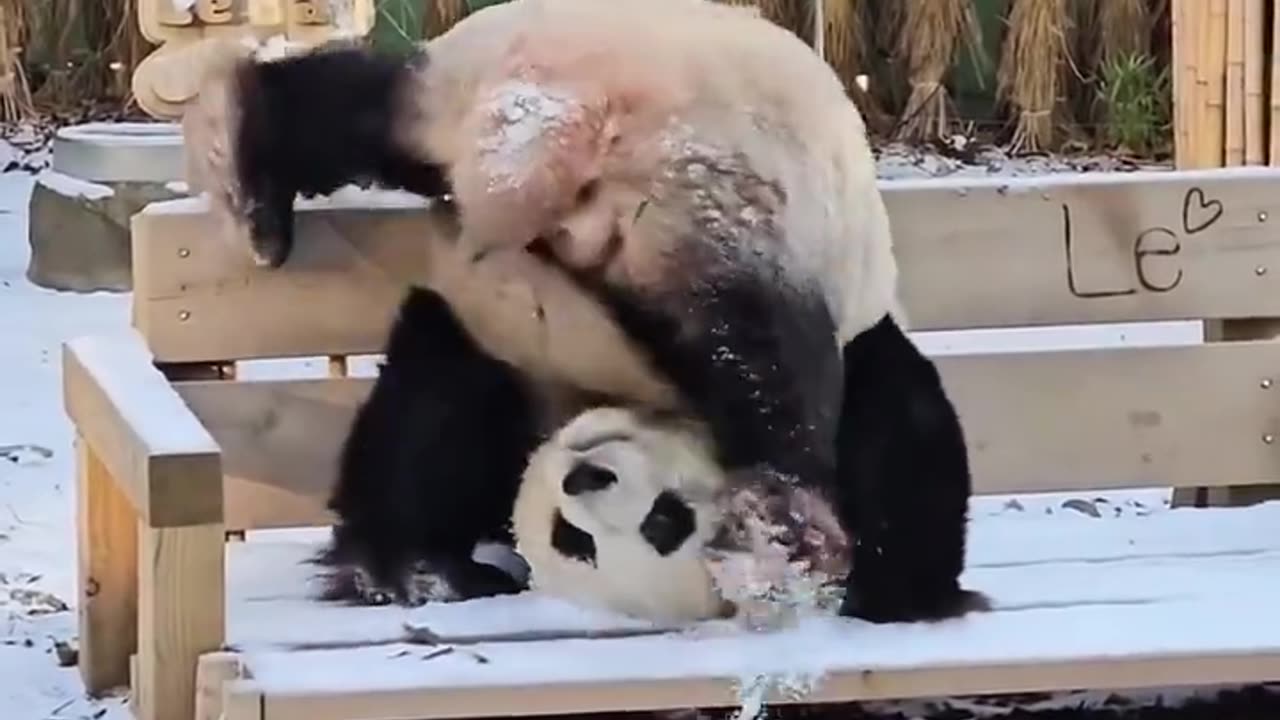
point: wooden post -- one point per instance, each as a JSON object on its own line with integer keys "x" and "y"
{"x": 107, "y": 540}
{"x": 181, "y": 614}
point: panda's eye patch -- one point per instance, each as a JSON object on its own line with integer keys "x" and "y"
{"x": 669, "y": 523}
{"x": 585, "y": 478}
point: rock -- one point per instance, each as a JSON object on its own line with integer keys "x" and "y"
{"x": 102, "y": 174}
{"x": 79, "y": 231}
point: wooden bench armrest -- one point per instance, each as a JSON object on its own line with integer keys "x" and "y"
{"x": 165, "y": 461}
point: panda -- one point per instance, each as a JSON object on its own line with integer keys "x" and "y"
{"x": 626, "y": 509}
{"x": 661, "y": 203}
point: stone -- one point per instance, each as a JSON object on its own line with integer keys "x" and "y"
{"x": 80, "y": 210}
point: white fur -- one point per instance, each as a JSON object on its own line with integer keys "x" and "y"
{"x": 630, "y": 576}
{"x": 527, "y": 101}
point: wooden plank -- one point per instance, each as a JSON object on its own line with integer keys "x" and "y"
{"x": 461, "y": 701}
{"x": 1098, "y": 247}
{"x": 107, "y": 555}
{"x": 991, "y": 252}
{"x": 1035, "y": 422}
{"x": 181, "y": 613}
{"x": 1137, "y": 417}
{"x": 146, "y": 437}
{"x": 197, "y": 298}
{"x": 280, "y": 442}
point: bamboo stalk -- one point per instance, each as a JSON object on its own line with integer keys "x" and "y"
{"x": 1233, "y": 115}
{"x": 1275, "y": 85}
{"x": 1212, "y": 82}
{"x": 1255, "y": 98}
{"x": 1181, "y": 91}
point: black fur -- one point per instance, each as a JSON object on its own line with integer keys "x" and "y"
{"x": 312, "y": 123}
{"x": 585, "y": 477}
{"x": 669, "y": 523}
{"x": 572, "y": 541}
{"x": 904, "y": 483}
{"x": 900, "y": 476}
{"x": 755, "y": 360}
{"x": 434, "y": 457}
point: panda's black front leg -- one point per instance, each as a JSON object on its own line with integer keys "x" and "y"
{"x": 431, "y": 465}
{"x": 904, "y": 483}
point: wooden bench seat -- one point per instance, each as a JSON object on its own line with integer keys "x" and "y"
{"x": 1178, "y": 597}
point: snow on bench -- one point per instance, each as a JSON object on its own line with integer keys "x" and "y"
{"x": 1182, "y": 596}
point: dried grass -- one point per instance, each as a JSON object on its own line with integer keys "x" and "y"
{"x": 15, "y": 94}
{"x": 442, "y": 15}
{"x": 845, "y": 47}
{"x": 1029, "y": 78}
{"x": 1122, "y": 28}
{"x": 929, "y": 34}
{"x": 82, "y": 54}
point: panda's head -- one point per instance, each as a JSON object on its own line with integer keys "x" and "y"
{"x": 630, "y": 511}
{"x": 616, "y": 509}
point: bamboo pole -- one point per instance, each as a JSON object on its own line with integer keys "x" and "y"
{"x": 1275, "y": 85}
{"x": 1233, "y": 115}
{"x": 1255, "y": 96}
{"x": 1211, "y": 81}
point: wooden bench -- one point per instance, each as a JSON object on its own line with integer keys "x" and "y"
{"x": 175, "y": 452}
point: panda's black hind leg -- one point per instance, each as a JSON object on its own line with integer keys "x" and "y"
{"x": 431, "y": 465}
{"x": 904, "y": 483}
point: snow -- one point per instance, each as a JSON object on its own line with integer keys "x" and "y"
{"x": 1175, "y": 582}
{"x": 122, "y": 366}
{"x": 68, "y": 186}
{"x": 124, "y": 134}
{"x": 1132, "y": 574}
{"x": 521, "y": 113}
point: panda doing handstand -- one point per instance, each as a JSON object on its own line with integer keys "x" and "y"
{"x": 683, "y": 182}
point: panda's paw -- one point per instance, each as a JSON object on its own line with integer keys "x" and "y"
{"x": 908, "y": 607}
{"x": 353, "y": 585}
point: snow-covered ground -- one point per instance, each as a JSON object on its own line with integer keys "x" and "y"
{"x": 37, "y": 548}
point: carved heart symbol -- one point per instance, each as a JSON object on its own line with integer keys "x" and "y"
{"x": 1207, "y": 211}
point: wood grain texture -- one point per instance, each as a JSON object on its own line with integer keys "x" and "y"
{"x": 986, "y": 253}
{"x": 1045, "y": 421}
{"x": 107, "y": 556}
{"x": 146, "y": 437}
{"x": 181, "y": 614}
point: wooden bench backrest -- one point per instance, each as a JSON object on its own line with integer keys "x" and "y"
{"x": 974, "y": 253}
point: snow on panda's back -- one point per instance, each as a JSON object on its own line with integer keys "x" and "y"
{"x": 615, "y": 510}
{"x": 526, "y": 101}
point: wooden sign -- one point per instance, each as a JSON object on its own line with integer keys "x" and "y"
{"x": 168, "y": 78}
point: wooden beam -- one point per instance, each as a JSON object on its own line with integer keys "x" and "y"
{"x": 107, "y": 553}
{"x": 1035, "y": 422}
{"x": 280, "y": 443}
{"x": 182, "y": 615}
{"x": 146, "y": 437}
{"x": 710, "y": 690}
{"x": 990, "y": 252}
